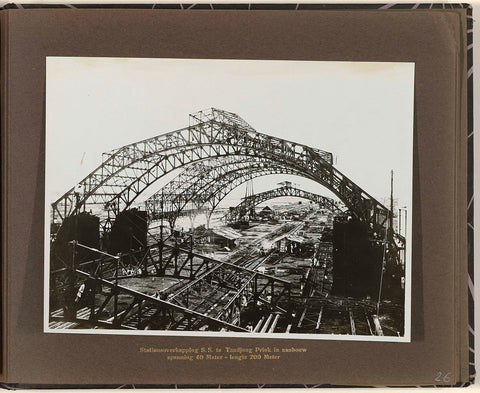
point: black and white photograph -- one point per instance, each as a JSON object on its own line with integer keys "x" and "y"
{"x": 229, "y": 198}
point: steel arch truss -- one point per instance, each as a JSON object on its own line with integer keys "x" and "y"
{"x": 243, "y": 208}
{"x": 126, "y": 172}
{"x": 201, "y": 186}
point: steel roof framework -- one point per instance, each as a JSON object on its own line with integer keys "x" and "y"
{"x": 126, "y": 172}
{"x": 250, "y": 202}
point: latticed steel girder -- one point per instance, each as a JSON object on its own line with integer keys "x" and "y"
{"x": 203, "y": 185}
{"x": 126, "y": 172}
{"x": 248, "y": 203}
{"x": 219, "y": 289}
{"x": 209, "y": 293}
{"x": 184, "y": 188}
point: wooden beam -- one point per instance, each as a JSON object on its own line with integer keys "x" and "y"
{"x": 378, "y": 327}
{"x": 352, "y": 322}
{"x": 301, "y": 318}
{"x": 319, "y": 318}
{"x": 265, "y": 326}
{"x": 258, "y": 325}
{"x": 369, "y": 325}
{"x": 274, "y": 324}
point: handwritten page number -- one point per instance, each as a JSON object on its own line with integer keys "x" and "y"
{"x": 443, "y": 377}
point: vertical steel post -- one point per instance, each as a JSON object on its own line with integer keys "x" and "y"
{"x": 255, "y": 293}
{"x": 406, "y": 224}
{"x": 191, "y": 255}
{"x": 160, "y": 249}
{"x": 139, "y": 317}
{"x": 91, "y": 298}
{"x": 391, "y": 200}
{"x": 115, "y": 289}
{"x": 71, "y": 307}
{"x": 400, "y": 221}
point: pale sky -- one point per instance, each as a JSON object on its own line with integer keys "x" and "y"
{"x": 360, "y": 112}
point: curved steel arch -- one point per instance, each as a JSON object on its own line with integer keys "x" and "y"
{"x": 215, "y": 185}
{"x": 213, "y": 196}
{"x": 239, "y": 212}
{"x": 184, "y": 188}
{"x": 126, "y": 172}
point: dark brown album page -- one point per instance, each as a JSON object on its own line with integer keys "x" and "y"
{"x": 431, "y": 40}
